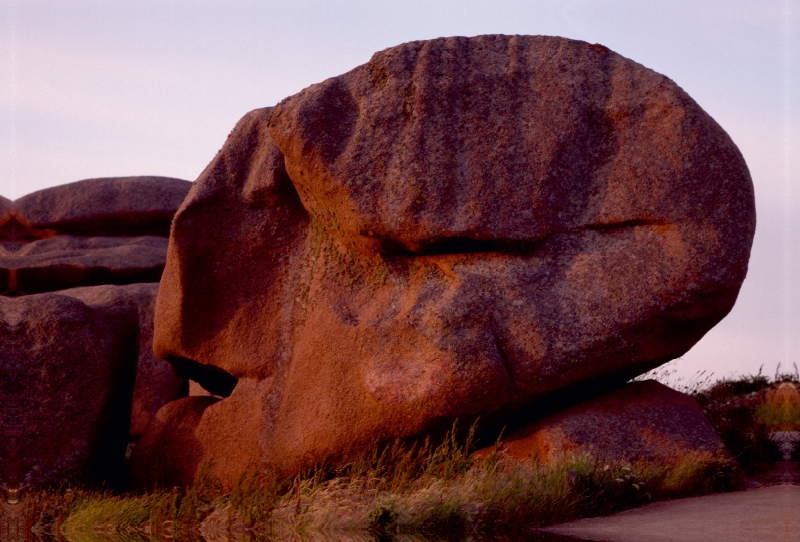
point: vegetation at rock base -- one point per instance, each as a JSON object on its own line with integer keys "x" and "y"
{"x": 400, "y": 492}
{"x": 746, "y": 413}
{"x": 425, "y": 492}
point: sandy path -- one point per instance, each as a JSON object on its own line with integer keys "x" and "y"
{"x": 764, "y": 515}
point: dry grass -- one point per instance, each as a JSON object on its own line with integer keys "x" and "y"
{"x": 42, "y": 514}
{"x": 401, "y": 493}
{"x": 104, "y": 517}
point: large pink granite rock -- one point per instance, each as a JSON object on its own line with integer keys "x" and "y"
{"x": 457, "y": 228}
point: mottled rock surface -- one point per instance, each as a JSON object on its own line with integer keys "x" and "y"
{"x": 457, "y": 228}
{"x": 67, "y": 261}
{"x": 642, "y": 420}
{"x": 68, "y": 363}
{"x": 157, "y": 381}
{"x": 5, "y": 206}
{"x": 173, "y": 428}
{"x": 114, "y": 205}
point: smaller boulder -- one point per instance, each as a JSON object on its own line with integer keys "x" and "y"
{"x": 642, "y": 420}
{"x": 157, "y": 382}
{"x": 109, "y": 206}
{"x": 67, "y": 261}
{"x": 67, "y": 367}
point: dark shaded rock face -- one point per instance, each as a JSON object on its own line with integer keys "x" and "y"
{"x": 641, "y": 420}
{"x": 67, "y": 368}
{"x": 157, "y": 381}
{"x": 455, "y": 229}
{"x": 173, "y": 428}
{"x": 98, "y": 231}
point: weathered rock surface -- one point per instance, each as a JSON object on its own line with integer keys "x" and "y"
{"x": 173, "y": 428}
{"x": 642, "y": 420}
{"x": 157, "y": 382}
{"x": 109, "y": 206}
{"x": 457, "y": 228}
{"x": 5, "y": 206}
{"x": 97, "y": 231}
{"x": 68, "y": 363}
{"x": 67, "y": 261}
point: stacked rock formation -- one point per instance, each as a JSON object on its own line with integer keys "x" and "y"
{"x": 457, "y": 228}
{"x": 67, "y": 350}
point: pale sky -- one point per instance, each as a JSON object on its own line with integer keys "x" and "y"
{"x": 119, "y": 87}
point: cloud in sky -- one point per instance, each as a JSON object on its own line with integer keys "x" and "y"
{"x": 101, "y": 88}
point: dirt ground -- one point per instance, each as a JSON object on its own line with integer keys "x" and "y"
{"x": 765, "y": 514}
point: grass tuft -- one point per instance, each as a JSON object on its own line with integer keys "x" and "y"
{"x": 401, "y": 491}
